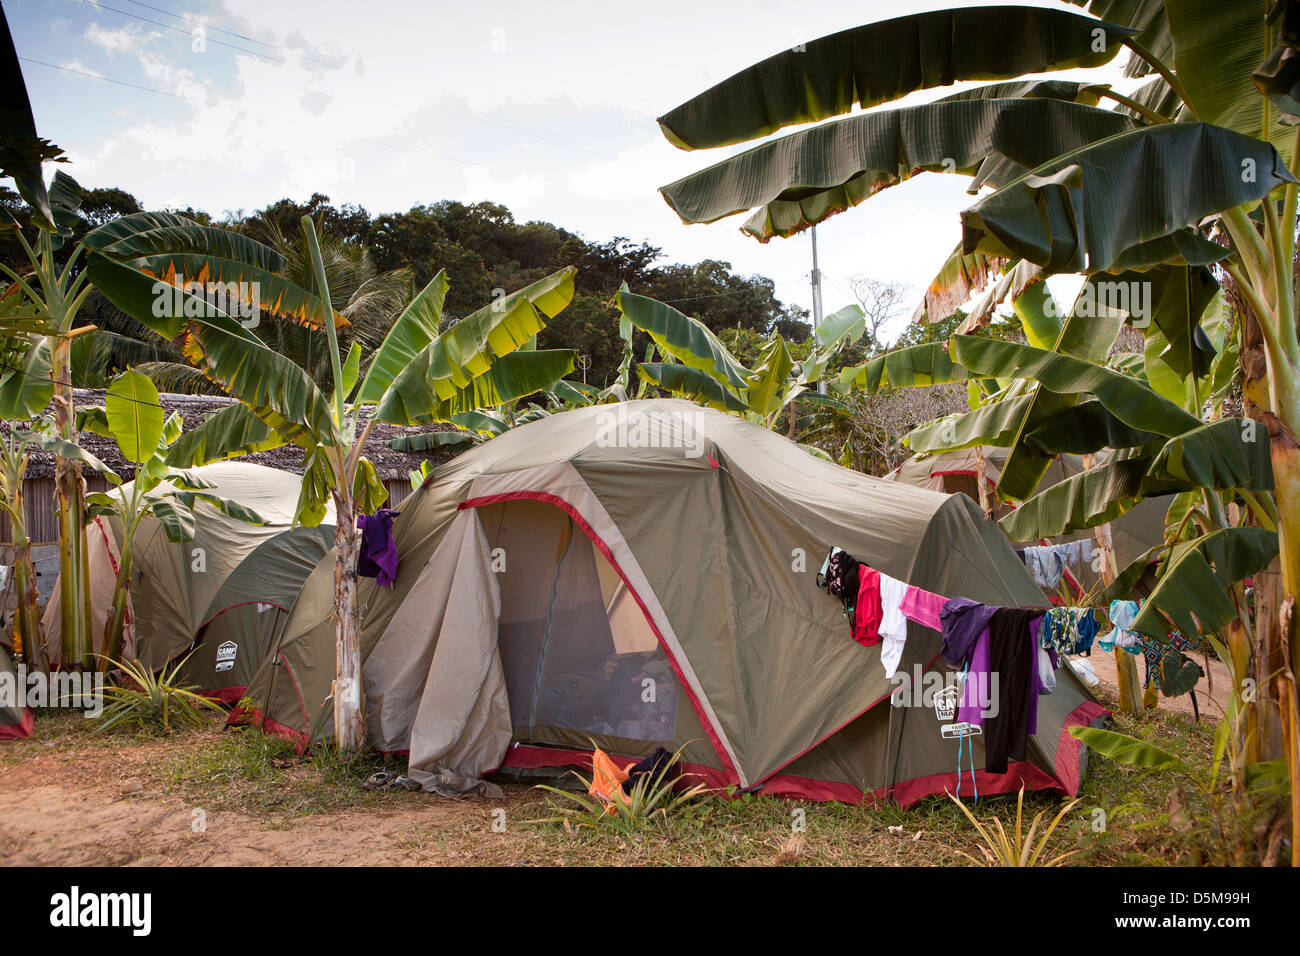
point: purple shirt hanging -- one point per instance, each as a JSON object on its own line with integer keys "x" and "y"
{"x": 378, "y": 549}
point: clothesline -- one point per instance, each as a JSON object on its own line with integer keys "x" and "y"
{"x": 1015, "y": 650}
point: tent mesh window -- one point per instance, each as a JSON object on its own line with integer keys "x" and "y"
{"x": 579, "y": 656}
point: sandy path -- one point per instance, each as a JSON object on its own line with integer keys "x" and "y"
{"x": 60, "y": 812}
{"x": 1211, "y": 703}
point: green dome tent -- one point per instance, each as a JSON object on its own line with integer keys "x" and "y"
{"x": 175, "y": 583}
{"x": 15, "y": 719}
{"x": 246, "y": 616}
{"x": 643, "y": 575}
{"x": 1132, "y": 534}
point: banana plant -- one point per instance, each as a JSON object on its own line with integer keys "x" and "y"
{"x": 25, "y": 390}
{"x": 132, "y": 416}
{"x": 416, "y": 376}
{"x": 47, "y": 299}
{"x": 696, "y": 364}
{"x": 1209, "y": 160}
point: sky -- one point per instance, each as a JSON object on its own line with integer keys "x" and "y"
{"x": 546, "y": 107}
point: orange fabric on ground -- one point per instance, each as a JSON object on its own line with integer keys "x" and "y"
{"x": 607, "y": 780}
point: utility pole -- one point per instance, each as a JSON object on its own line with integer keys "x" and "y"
{"x": 817, "y": 298}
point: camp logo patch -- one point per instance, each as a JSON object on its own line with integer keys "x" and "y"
{"x": 226, "y": 652}
{"x": 945, "y": 703}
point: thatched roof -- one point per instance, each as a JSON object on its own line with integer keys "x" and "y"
{"x": 391, "y": 465}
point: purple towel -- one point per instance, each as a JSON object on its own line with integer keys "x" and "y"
{"x": 962, "y": 622}
{"x": 378, "y": 549}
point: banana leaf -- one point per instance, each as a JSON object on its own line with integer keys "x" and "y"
{"x": 767, "y": 387}
{"x": 1128, "y": 400}
{"x": 144, "y": 235}
{"x": 993, "y": 423}
{"x": 26, "y": 388}
{"x": 229, "y": 433}
{"x": 916, "y": 365}
{"x": 1083, "y": 429}
{"x": 1146, "y": 16}
{"x": 441, "y": 376}
{"x": 805, "y": 177}
{"x": 275, "y": 295}
{"x": 845, "y": 326}
{"x": 433, "y": 442}
{"x": 21, "y": 150}
{"x": 278, "y": 391}
{"x": 1085, "y": 500}
{"x": 1062, "y": 215}
{"x": 1196, "y": 575}
{"x": 513, "y": 376}
{"x": 873, "y": 64}
{"x": 1230, "y": 453}
{"x": 414, "y": 329}
{"x": 1216, "y": 49}
{"x": 692, "y": 384}
{"x": 1129, "y": 751}
{"x": 135, "y": 416}
{"x": 960, "y": 277}
{"x": 686, "y": 339}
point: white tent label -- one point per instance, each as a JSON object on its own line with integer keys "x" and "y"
{"x": 226, "y": 655}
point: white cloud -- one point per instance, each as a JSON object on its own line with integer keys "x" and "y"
{"x": 547, "y": 108}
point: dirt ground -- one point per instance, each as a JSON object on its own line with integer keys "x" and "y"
{"x": 73, "y": 797}
{"x": 103, "y": 807}
{"x": 1211, "y": 695}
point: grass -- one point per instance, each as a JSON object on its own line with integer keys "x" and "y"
{"x": 1149, "y": 818}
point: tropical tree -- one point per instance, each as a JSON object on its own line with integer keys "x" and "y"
{"x": 52, "y": 295}
{"x": 1196, "y": 168}
{"x": 25, "y": 390}
{"x": 695, "y": 364}
{"x": 132, "y": 416}
{"x": 418, "y": 374}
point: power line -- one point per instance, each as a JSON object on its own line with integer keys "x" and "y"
{"x": 422, "y": 152}
{"x": 512, "y": 126}
{"x": 168, "y": 26}
{"x": 96, "y": 76}
{"x": 229, "y": 33}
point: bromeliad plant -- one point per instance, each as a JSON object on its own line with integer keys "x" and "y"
{"x": 1016, "y": 848}
{"x": 1188, "y": 183}
{"x": 148, "y": 265}
{"x": 655, "y": 797}
{"x": 145, "y": 700}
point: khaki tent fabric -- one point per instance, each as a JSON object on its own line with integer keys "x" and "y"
{"x": 244, "y": 619}
{"x": 445, "y": 700}
{"x": 177, "y": 582}
{"x": 715, "y": 528}
{"x": 15, "y": 720}
{"x": 1132, "y": 534}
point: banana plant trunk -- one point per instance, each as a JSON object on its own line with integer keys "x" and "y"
{"x": 349, "y": 724}
{"x": 70, "y": 490}
{"x": 116, "y": 623}
{"x": 28, "y": 617}
{"x": 1285, "y": 453}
